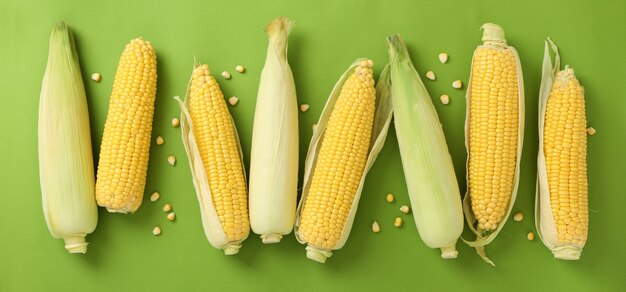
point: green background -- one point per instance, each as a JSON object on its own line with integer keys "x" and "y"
{"x": 328, "y": 36}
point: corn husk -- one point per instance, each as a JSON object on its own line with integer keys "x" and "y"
{"x": 274, "y": 155}
{"x": 493, "y": 36}
{"x": 210, "y": 221}
{"x": 66, "y": 167}
{"x": 544, "y": 220}
{"x": 428, "y": 169}
{"x": 382, "y": 120}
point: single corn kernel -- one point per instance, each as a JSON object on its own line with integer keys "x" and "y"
{"x": 154, "y": 197}
{"x": 591, "y": 131}
{"x": 226, "y": 75}
{"x": 530, "y": 236}
{"x": 156, "y": 231}
{"x": 518, "y": 216}
{"x": 443, "y": 58}
{"x": 171, "y": 216}
{"x": 167, "y": 207}
{"x": 96, "y": 77}
{"x": 405, "y": 209}
{"x": 314, "y": 126}
{"x": 171, "y": 160}
{"x": 445, "y": 99}
{"x": 175, "y": 122}
{"x": 390, "y": 198}
{"x": 160, "y": 140}
{"x": 240, "y": 69}
{"x": 397, "y": 222}
{"x": 233, "y": 100}
{"x": 375, "y": 227}
{"x": 304, "y": 107}
{"x": 458, "y": 84}
{"x": 430, "y": 75}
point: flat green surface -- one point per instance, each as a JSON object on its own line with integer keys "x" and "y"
{"x": 328, "y": 36}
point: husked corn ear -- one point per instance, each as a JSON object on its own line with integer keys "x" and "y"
{"x": 125, "y": 148}
{"x": 340, "y": 163}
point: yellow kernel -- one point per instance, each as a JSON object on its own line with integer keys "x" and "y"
{"x": 154, "y": 197}
{"x": 390, "y": 198}
{"x": 175, "y": 122}
{"x": 518, "y": 216}
{"x": 375, "y": 227}
{"x": 443, "y": 58}
{"x": 240, "y": 69}
{"x": 445, "y": 99}
{"x": 171, "y": 160}
{"x": 397, "y": 222}
{"x": 167, "y": 207}
{"x": 233, "y": 100}
{"x": 96, "y": 77}
{"x": 171, "y": 216}
{"x": 304, "y": 107}
{"x": 160, "y": 140}
{"x": 591, "y": 131}
{"x": 430, "y": 75}
{"x": 226, "y": 75}
{"x": 405, "y": 209}
{"x": 530, "y": 236}
{"x": 458, "y": 84}
{"x": 156, "y": 231}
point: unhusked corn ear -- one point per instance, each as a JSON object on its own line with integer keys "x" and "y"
{"x": 125, "y": 148}
{"x": 212, "y": 145}
{"x": 562, "y": 165}
{"x": 343, "y": 148}
{"x": 494, "y": 133}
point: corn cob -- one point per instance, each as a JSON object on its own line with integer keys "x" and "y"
{"x": 274, "y": 154}
{"x": 561, "y": 215}
{"x": 65, "y": 158}
{"x": 125, "y": 148}
{"x": 344, "y": 146}
{"x": 214, "y": 153}
{"x": 494, "y": 134}
{"x": 428, "y": 169}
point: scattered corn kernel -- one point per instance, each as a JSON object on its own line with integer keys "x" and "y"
{"x": 240, "y": 69}
{"x": 397, "y": 222}
{"x": 233, "y": 100}
{"x": 390, "y": 198}
{"x": 445, "y": 99}
{"x": 375, "y": 227}
{"x": 156, "y": 231}
{"x": 171, "y": 216}
{"x": 226, "y": 75}
{"x": 160, "y": 140}
{"x": 518, "y": 216}
{"x": 304, "y": 107}
{"x": 443, "y": 58}
{"x": 530, "y": 236}
{"x": 167, "y": 207}
{"x": 175, "y": 122}
{"x": 171, "y": 160}
{"x": 405, "y": 209}
{"x": 430, "y": 75}
{"x": 591, "y": 131}
{"x": 457, "y": 84}
{"x": 96, "y": 77}
{"x": 154, "y": 197}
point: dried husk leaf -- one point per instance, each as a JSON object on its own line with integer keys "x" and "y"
{"x": 382, "y": 119}
{"x": 210, "y": 221}
{"x": 496, "y": 41}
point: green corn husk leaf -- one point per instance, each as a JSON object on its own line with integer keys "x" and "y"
{"x": 382, "y": 119}
{"x": 431, "y": 182}
{"x": 66, "y": 167}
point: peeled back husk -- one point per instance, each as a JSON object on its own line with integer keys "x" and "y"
{"x": 380, "y": 126}
{"x": 428, "y": 169}
{"x": 66, "y": 167}
{"x": 274, "y": 155}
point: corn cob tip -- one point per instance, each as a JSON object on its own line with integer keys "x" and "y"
{"x": 449, "y": 252}
{"x": 569, "y": 253}
{"x": 278, "y": 25}
{"x": 317, "y": 255}
{"x": 76, "y": 244}
{"x": 493, "y": 33}
{"x": 271, "y": 238}
{"x": 232, "y": 249}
